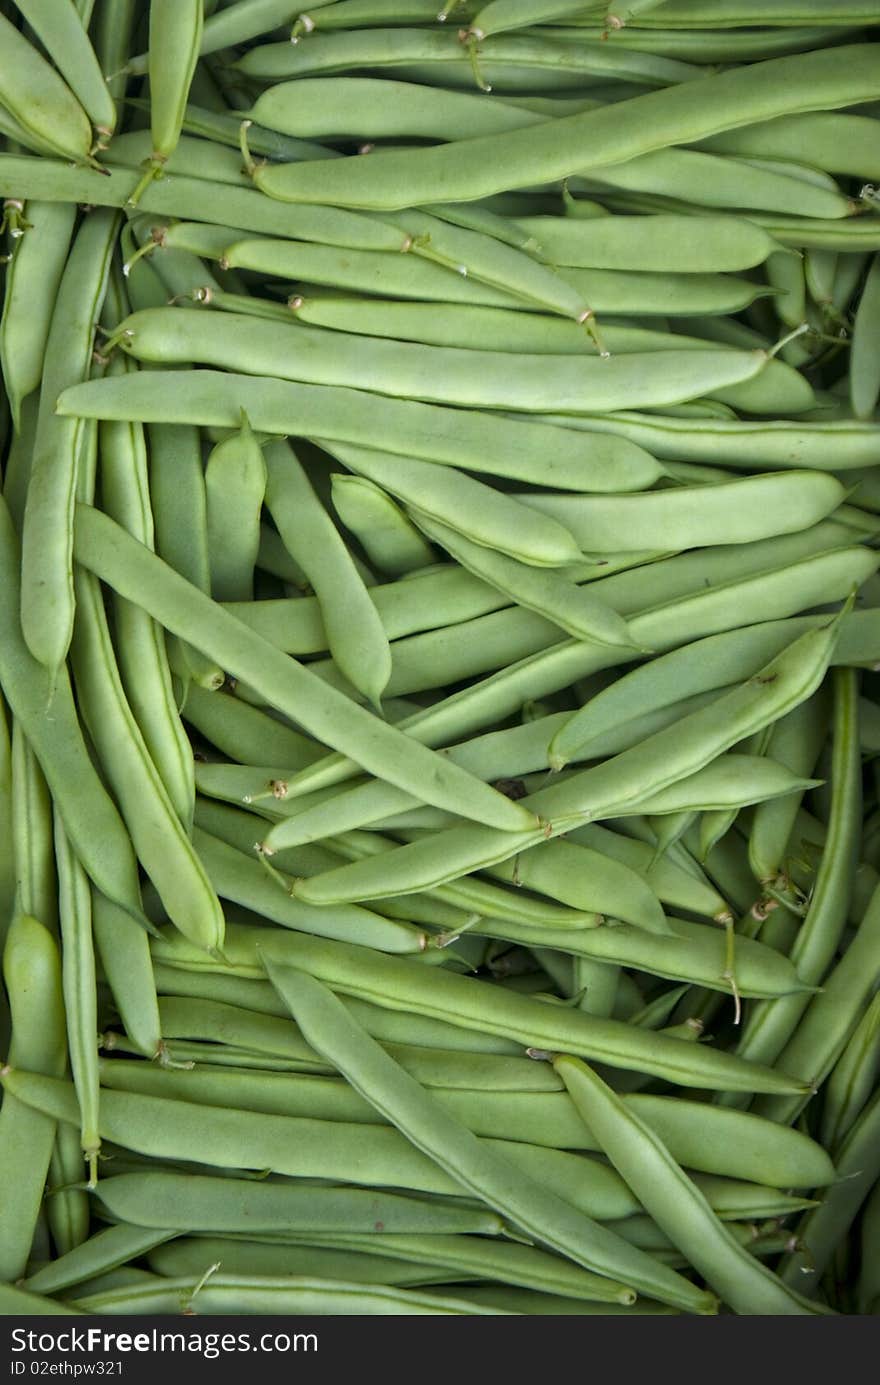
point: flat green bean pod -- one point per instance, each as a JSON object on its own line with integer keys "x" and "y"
{"x": 659, "y": 243}
{"x": 739, "y": 511}
{"x": 157, "y": 834}
{"x": 91, "y": 818}
{"x": 853, "y": 1078}
{"x": 601, "y": 790}
{"x": 840, "y": 143}
{"x": 188, "y": 1255}
{"x": 220, "y": 1205}
{"x": 32, "y": 972}
{"x": 674, "y": 1200}
{"x": 572, "y": 608}
{"x": 379, "y": 107}
{"x": 326, "y": 1021}
{"x": 38, "y": 97}
{"x": 480, "y": 442}
{"x": 32, "y": 281}
{"x": 443, "y": 55}
{"x": 47, "y": 601}
{"x": 488, "y": 517}
{"x": 744, "y": 443}
{"x": 434, "y": 374}
{"x": 680, "y": 113}
{"x": 286, "y": 683}
{"x": 391, "y": 541}
{"x": 241, "y": 1294}
{"x": 864, "y": 374}
{"x": 105, "y": 1250}
{"x": 397, "y": 985}
{"x": 355, "y": 635}
{"x": 704, "y": 665}
{"x": 62, "y": 33}
{"x": 242, "y": 879}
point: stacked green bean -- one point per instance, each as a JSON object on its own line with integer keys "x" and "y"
{"x": 440, "y": 632}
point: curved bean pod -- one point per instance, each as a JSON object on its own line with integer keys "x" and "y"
{"x": 47, "y": 601}
{"x": 181, "y": 608}
{"x": 481, "y": 442}
{"x": 32, "y": 281}
{"x": 735, "y": 512}
{"x": 327, "y": 1023}
{"x": 681, "y": 113}
{"x": 355, "y": 635}
{"x": 435, "y": 374}
{"x": 39, "y": 98}
{"x": 62, "y": 33}
{"x": 674, "y": 1200}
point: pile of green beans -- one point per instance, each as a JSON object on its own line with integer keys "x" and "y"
{"x": 440, "y": 657}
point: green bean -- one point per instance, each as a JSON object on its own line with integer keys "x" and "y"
{"x": 658, "y": 243}
{"x": 241, "y": 1294}
{"x": 601, "y": 790}
{"x": 686, "y": 515}
{"x": 832, "y": 1016}
{"x": 530, "y": 1301}
{"x": 777, "y": 389}
{"x": 743, "y": 443}
{"x": 139, "y": 642}
{"x": 721, "y": 181}
{"x": 47, "y": 580}
{"x": 80, "y": 997}
{"x": 451, "y": 997}
{"x": 551, "y": 594}
{"x": 864, "y": 374}
{"x": 707, "y": 664}
{"x": 36, "y": 889}
{"x": 499, "y": 16}
{"x": 354, "y": 631}
{"x": 493, "y": 1260}
{"x": 32, "y": 282}
{"x": 680, "y": 113}
{"x": 91, "y": 819}
{"x": 187, "y": 612}
{"x": 175, "y": 38}
{"x": 375, "y": 108}
{"x": 238, "y": 729}
{"x": 773, "y": 1028}
{"x": 853, "y": 1079}
{"x": 822, "y": 1229}
{"x": 732, "y": 13}
{"x": 391, "y": 542}
{"x": 105, "y": 1250}
{"x": 243, "y": 879}
{"x": 62, "y": 33}
{"x": 221, "y": 1205}
{"x": 327, "y": 1023}
{"x": 37, "y": 96}
{"x": 435, "y": 374}
{"x": 556, "y": 667}
{"x": 32, "y": 972}
{"x": 124, "y": 952}
{"x": 15, "y": 1302}
{"x": 488, "y": 517}
{"x": 157, "y": 834}
{"x": 235, "y": 484}
{"x": 674, "y": 1201}
{"x": 481, "y": 442}
{"x": 796, "y": 741}
{"x": 448, "y": 60}
{"x": 190, "y": 1254}
{"x": 300, "y": 1147}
